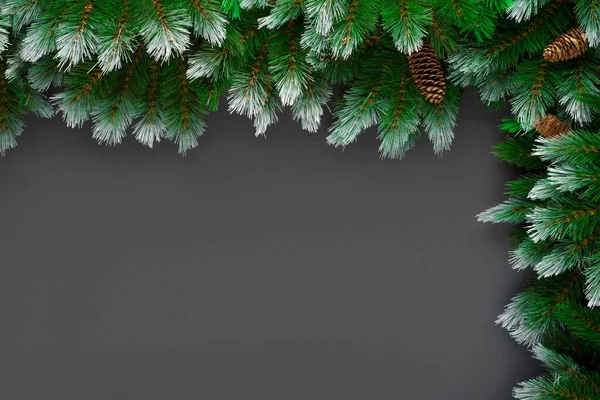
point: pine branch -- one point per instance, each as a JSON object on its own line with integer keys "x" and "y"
{"x": 165, "y": 29}
{"x": 114, "y": 114}
{"x": 323, "y": 14}
{"x": 592, "y": 279}
{"x": 530, "y": 316}
{"x": 575, "y": 148}
{"x": 582, "y": 78}
{"x": 81, "y": 88}
{"x": 399, "y": 126}
{"x": 407, "y": 21}
{"x": 11, "y": 125}
{"x": 308, "y": 108}
{"x": 23, "y": 12}
{"x": 150, "y": 127}
{"x": 358, "y": 23}
{"x": 440, "y": 119}
{"x": 4, "y": 33}
{"x": 581, "y": 321}
{"x": 208, "y": 21}
{"x": 184, "y": 112}
{"x": 116, "y": 39}
{"x": 76, "y": 36}
{"x": 282, "y": 13}
{"x": 363, "y": 104}
{"x": 588, "y": 15}
{"x": 537, "y": 82}
{"x": 288, "y": 65}
{"x": 40, "y": 37}
{"x": 512, "y": 211}
{"x": 553, "y": 222}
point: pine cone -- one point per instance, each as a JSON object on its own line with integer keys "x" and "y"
{"x": 426, "y": 70}
{"x": 567, "y": 46}
{"x": 551, "y": 126}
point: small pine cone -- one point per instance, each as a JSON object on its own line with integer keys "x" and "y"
{"x": 426, "y": 70}
{"x": 567, "y": 46}
{"x": 551, "y": 126}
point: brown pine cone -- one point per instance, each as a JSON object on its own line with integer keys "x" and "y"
{"x": 551, "y": 126}
{"x": 426, "y": 70}
{"x": 567, "y": 46}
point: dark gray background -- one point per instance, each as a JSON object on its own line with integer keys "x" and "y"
{"x": 254, "y": 269}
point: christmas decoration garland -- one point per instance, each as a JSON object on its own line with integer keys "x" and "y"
{"x": 543, "y": 59}
{"x": 155, "y": 68}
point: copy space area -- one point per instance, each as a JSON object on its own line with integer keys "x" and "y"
{"x": 254, "y": 269}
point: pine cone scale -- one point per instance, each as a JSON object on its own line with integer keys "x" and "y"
{"x": 427, "y": 73}
{"x": 551, "y": 126}
{"x": 567, "y": 46}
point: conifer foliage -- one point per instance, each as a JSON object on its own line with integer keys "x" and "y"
{"x": 155, "y": 68}
{"x": 555, "y": 204}
{"x": 544, "y": 60}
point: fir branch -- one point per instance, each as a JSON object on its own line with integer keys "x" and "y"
{"x": 522, "y": 186}
{"x": 588, "y": 15}
{"x": 283, "y": 12}
{"x": 288, "y": 64}
{"x": 581, "y": 321}
{"x": 358, "y": 23}
{"x": 11, "y": 125}
{"x": 440, "y": 119}
{"x": 75, "y": 42}
{"x": 592, "y": 279}
{"x": 40, "y": 37}
{"x": 268, "y": 114}
{"x": 470, "y": 16}
{"x": 150, "y": 127}
{"x": 582, "y": 78}
{"x": 308, "y": 108}
{"x": 116, "y": 40}
{"x": 530, "y": 37}
{"x": 563, "y": 364}
{"x": 208, "y": 21}
{"x": 76, "y": 101}
{"x": 218, "y": 62}
{"x": 528, "y": 253}
{"x": 570, "y": 178}
{"x": 554, "y": 222}
{"x": 112, "y": 116}
{"x": 544, "y": 189}
{"x": 251, "y": 87}
{"x": 407, "y": 21}
{"x": 44, "y": 74}
{"x": 165, "y": 29}
{"x": 399, "y": 126}
{"x": 553, "y": 387}
{"x": 563, "y": 257}
{"x": 519, "y": 151}
{"x": 575, "y": 148}
{"x": 522, "y": 10}
{"x": 513, "y": 211}
{"x": 23, "y": 12}
{"x": 537, "y": 82}
{"x": 184, "y": 113}
{"x": 530, "y": 316}
{"x": 4, "y": 33}
{"x": 233, "y": 8}
{"x": 362, "y": 105}
{"x": 497, "y": 85}
{"x": 443, "y": 36}
{"x": 324, "y": 13}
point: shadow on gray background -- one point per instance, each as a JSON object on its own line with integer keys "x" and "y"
{"x": 254, "y": 269}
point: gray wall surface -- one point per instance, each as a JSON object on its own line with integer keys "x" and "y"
{"x": 254, "y": 269}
